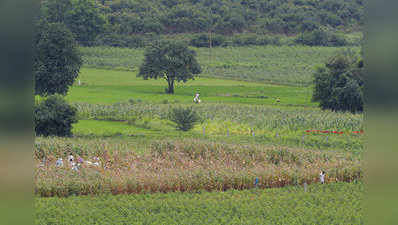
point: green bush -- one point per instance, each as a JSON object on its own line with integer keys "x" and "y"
{"x": 54, "y": 117}
{"x": 185, "y": 118}
{"x": 253, "y": 39}
{"x": 203, "y": 40}
{"x": 321, "y": 37}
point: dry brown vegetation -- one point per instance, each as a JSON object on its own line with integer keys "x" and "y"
{"x": 189, "y": 166}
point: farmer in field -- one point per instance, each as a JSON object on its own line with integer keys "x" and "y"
{"x": 322, "y": 177}
{"x": 196, "y": 99}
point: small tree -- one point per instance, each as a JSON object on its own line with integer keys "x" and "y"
{"x": 173, "y": 61}
{"x": 185, "y": 118}
{"x": 339, "y": 84}
{"x": 57, "y": 60}
{"x": 54, "y": 117}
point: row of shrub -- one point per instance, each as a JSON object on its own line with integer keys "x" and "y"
{"x": 215, "y": 40}
{"x": 319, "y": 37}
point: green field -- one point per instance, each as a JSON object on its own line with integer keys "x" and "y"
{"x": 338, "y": 203}
{"x": 106, "y": 87}
{"x": 291, "y": 65}
{"x": 243, "y": 134}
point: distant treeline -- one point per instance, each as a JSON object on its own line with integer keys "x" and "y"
{"x": 97, "y": 22}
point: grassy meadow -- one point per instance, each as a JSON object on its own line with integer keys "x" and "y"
{"x": 151, "y": 173}
{"x": 106, "y": 87}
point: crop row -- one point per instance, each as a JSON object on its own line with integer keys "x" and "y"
{"x": 261, "y": 117}
{"x": 339, "y": 203}
{"x": 292, "y": 65}
{"x": 184, "y": 166}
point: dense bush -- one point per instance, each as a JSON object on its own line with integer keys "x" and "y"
{"x": 339, "y": 84}
{"x": 203, "y": 40}
{"x": 86, "y": 17}
{"x": 54, "y": 117}
{"x": 321, "y": 37}
{"x": 185, "y": 118}
{"x": 253, "y": 39}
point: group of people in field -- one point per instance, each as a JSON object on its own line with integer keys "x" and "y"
{"x": 75, "y": 164}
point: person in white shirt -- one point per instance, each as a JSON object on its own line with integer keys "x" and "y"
{"x": 196, "y": 99}
{"x": 71, "y": 159}
{"x": 322, "y": 177}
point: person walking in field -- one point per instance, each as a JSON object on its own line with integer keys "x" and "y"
{"x": 196, "y": 99}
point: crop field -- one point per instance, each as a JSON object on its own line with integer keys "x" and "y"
{"x": 338, "y": 203}
{"x": 291, "y": 65}
{"x": 148, "y": 172}
{"x": 235, "y": 123}
{"x": 189, "y": 165}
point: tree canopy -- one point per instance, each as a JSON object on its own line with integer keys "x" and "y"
{"x": 108, "y": 20}
{"x": 173, "y": 61}
{"x": 57, "y": 60}
{"x": 339, "y": 83}
{"x": 83, "y": 17}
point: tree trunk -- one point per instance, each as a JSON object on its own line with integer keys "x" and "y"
{"x": 170, "y": 89}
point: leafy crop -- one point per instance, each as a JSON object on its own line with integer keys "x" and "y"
{"x": 292, "y": 65}
{"x": 260, "y": 117}
{"x": 339, "y": 203}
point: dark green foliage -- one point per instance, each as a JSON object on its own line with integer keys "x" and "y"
{"x": 86, "y": 18}
{"x": 119, "y": 40}
{"x": 83, "y": 17}
{"x": 203, "y": 40}
{"x": 57, "y": 59}
{"x": 170, "y": 60}
{"x": 339, "y": 84}
{"x": 253, "y": 39}
{"x": 54, "y": 117}
{"x": 185, "y": 118}
{"x": 320, "y": 37}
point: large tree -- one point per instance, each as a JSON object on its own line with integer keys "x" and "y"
{"x": 172, "y": 61}
{"x": 339, "y": 83}
{"x": 57, "y": 59}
